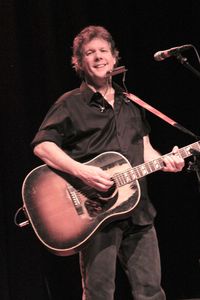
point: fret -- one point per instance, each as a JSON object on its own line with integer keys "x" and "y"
{"x": 138, "y": 171}
{"x": 144, "y": 169}
{"x": 132, "y": 174}
{"x": 151, "y": 166}
{"x": 186, "y": 151}
{"x": 148, "y": 168}
{"x": 118, "y": 179}
{"x": 124, "y": 178}
{"x": 158, "y": 164}
{"x": 129, "y": 176}
{"x": 183, "y": 152}
{"x": 121, "y": 179}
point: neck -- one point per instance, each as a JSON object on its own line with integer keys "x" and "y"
{"x": 105, "y": 89}
{"x": 100, "y": 85}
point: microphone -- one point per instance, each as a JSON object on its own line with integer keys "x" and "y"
{"x": 161, "y": 55}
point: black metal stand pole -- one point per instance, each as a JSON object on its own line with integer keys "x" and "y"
{"x": 193, "y": 166}
{"x": 186, "y": 64}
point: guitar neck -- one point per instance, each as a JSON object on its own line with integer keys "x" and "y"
{"x": 157, "y": 164}
{"x": 153, "y": 165}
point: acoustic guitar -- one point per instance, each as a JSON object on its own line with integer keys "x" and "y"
{"x": 65, "y": 213}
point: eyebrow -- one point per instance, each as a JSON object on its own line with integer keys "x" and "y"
{"x": 101, "y": 48}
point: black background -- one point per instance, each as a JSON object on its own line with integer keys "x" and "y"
{"x": 36, "y": 40}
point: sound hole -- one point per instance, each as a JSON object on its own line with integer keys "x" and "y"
{"x": 110, "y": 193}
{"x": 101, "y": 202}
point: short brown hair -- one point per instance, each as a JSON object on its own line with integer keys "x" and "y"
{"x": 85, "y": 36}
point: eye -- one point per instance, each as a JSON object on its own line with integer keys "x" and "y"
{"x": 104, "y": 50}
{"x": 89, "y": 52}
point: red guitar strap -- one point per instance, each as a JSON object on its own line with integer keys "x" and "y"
{"x": 158, "y": 113}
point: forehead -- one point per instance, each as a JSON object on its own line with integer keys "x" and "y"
{"x": 96, "y": 43}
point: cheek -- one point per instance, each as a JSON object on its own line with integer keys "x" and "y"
{"x": 86, "y": 63}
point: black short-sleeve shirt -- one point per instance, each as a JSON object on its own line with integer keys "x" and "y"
{"x": 84, "y": 125}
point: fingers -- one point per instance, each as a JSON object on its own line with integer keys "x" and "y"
{"x": 100, "y": 183}
{"x": 173, "y": 161}
{"x": 97, "y": 178}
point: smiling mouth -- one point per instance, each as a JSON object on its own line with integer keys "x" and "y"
{"x": 100, "y": 66}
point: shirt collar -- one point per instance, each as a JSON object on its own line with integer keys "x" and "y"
{"x": 90, "y": 96}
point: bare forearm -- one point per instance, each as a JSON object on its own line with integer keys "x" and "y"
{"x": 172, "y": 163}
{"x": 55, "y": 157}
{"x": 149, "y": 152}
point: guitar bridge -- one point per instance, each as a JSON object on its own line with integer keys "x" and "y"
{"x": 75, "y": 200}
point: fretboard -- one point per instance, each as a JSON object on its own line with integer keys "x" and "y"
{"x": 152, "y": 166}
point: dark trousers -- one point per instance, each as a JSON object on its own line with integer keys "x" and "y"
{"x": 137, "y": 249}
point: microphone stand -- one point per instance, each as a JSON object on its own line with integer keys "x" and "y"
{"x": 195, "y": 165}
{"x": 186, "y": 64}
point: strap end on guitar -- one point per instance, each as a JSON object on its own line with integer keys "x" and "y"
{"x": 21, "y": 223}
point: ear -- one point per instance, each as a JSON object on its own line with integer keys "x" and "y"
{"x": 79, "y": 66}
{"x": 114, "y": 60}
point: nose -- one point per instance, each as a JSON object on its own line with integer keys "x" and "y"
{"x": 98, "y": 55}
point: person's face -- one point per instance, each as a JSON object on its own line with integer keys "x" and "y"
{"x": 97, "y": 59}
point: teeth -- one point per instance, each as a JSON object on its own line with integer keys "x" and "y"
{"x": 100, "y": 66}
